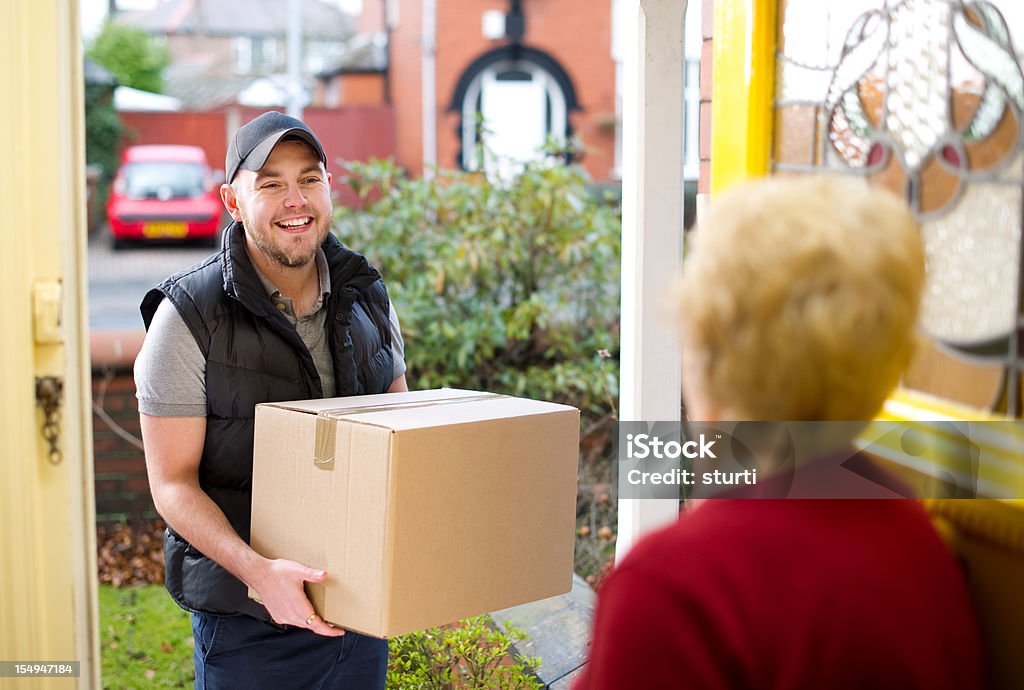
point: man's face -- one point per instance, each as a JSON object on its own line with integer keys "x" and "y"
{"x": 285, "y": 207}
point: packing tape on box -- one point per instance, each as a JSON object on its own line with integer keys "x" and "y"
{"x": 323, "y": 448}
{"x": 327, "y": 421}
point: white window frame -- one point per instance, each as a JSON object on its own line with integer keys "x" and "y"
{"x": 559, "y": 109}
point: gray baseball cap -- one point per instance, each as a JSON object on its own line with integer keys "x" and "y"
{"x": 253, "y": 142}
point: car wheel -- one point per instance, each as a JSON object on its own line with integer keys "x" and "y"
{"x": 119, "y": 243}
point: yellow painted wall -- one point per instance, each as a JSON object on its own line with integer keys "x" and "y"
{"x": 742, "y": 94}
{"x": 47, "y": 532}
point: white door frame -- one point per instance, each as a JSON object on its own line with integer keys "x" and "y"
{"x": 652, "y": 233}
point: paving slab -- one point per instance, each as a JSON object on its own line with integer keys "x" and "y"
{"x": 119, "y": 279}
{"x": 558, "y": 632}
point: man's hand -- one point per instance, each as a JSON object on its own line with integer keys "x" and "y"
{"x": 279, "y": 586}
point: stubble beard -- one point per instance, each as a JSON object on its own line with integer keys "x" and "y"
{"x": 262, "y": 240}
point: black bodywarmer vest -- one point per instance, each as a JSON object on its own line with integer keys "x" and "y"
{"x": 253, "y": 355}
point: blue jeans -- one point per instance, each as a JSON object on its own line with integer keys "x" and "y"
{"x": 242, "y": 652}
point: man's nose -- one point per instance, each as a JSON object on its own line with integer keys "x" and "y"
{"x": 294, "y": 197}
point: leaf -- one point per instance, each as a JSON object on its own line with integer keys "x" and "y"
{"x": 130, "y": 556}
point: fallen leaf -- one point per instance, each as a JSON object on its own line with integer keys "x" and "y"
{"x": 130, "y": 555}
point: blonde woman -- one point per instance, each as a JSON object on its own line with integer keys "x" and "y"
{"x": 798, "y": 302}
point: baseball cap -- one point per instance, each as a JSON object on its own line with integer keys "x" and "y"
{"x": 253, "y": 142}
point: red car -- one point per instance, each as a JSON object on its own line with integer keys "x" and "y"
{"x": 164, "y": 193}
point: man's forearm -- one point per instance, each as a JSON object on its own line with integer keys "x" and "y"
{"x": 194, "y": 515}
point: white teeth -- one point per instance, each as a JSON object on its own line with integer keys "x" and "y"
{"x": 294, "y": 222}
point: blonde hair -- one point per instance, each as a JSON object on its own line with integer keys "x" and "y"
{"x": 800, "y": 298}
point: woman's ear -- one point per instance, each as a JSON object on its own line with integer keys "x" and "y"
{"x": 697, "y": 405}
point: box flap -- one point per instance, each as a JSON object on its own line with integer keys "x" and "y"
{"x": 370, "y": 414}
{"x": 455, "y": 413}
{"x": 317, "y": 405}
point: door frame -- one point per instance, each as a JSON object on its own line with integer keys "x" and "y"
{"x": 48, "y": 592}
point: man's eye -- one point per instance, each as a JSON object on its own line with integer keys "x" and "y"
{"x": 270, "y": 185}
{"x": 312, "y": 180}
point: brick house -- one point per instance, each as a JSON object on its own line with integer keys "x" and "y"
{"x": 224, "y": 51}
{"x": 532, "y": 69}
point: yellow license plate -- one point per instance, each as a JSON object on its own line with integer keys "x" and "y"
{"x": 165, "y": 229}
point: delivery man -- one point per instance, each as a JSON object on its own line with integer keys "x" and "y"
{"x": 282, "y": 312}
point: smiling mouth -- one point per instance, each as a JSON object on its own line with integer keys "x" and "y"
{"x": 296, "y": 225}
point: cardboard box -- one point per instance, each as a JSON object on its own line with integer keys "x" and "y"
{"x": 423, "y": 507}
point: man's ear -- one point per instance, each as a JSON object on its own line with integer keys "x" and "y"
{"x": 230, "y": 199}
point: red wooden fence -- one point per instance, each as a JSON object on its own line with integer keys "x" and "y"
{"x": 355, "y": 133}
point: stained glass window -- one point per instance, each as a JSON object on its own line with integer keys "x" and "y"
{"x": 924, "y": 97}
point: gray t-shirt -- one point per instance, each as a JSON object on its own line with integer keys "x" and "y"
{"x": 170, "y": 371}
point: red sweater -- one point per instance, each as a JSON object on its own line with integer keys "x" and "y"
{"x": 794, "y": 594}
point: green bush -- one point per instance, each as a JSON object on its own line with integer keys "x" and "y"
{"x": 510, "y": 287}
{"x": 469, "y": 655}
{"x": 103, "y": 131}
{"x": 131, "y": 55}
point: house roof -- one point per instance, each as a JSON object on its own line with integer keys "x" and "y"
{"x": 198, "y": 89}
{"x": 366, "y": 53}
{"x": 241, "y": 18}
{"x": 133, "y": 100}
{"x": 98, "y": 75}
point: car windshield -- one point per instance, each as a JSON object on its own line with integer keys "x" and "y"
{"x": 164, "y": 180}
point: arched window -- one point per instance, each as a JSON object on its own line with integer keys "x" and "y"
{"x": 510, "y": 101}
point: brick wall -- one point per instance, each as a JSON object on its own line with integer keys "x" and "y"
{"x": 707, "y": 22}
{"x": 576, "y": 34}
{"x": 355, "y": 133}
{"x": 122, "y": 489}
{"x": 363, "y": 89}
{"x": 406, "y": 81}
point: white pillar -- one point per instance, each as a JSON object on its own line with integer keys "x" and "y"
{"x": 652, "y": 233}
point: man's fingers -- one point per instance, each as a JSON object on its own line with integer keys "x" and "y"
{"x": 284, "y": 598}
{"x": 320, "y": 627}
{"x": 314, "y": 575}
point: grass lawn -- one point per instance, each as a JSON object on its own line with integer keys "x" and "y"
{"x": 145, "y": 639}
{"x": 146, "y": 642}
